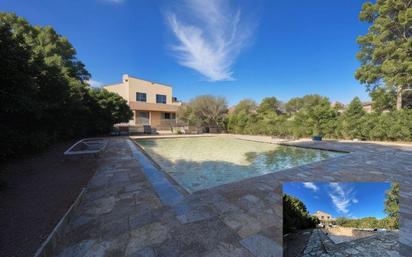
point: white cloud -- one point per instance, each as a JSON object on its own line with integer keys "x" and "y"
{"x": 94, "y": 83}
{"x": 342, "y": 197}
{"x": 311, "y": 186}
{"x": 355, "y": 200}
{"x": 210, "y": 35}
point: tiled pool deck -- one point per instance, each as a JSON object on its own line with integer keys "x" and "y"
{"x": 380, "y": 244}
{"x": 121, "y": 213}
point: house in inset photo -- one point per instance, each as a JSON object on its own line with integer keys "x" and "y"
{"x": 324, "y": 218}
{"x": 340, "y": 219}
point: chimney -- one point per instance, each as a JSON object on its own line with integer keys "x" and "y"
{"x": 125, "y": 78}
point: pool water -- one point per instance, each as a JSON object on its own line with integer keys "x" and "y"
{"x": 203, "y": 162}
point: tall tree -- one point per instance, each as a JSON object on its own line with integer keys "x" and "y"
{"x": 44, "y": 96}
{"x": 247, "y": 105}
{"x": 386, "y": 50}
{"x": 295, "y": 215}
{"x": 19, "y": 90}
{"x": 206, "y": 111}
{"x": 352, "y": 119}
{"x": 313, "y": 100}
{"x": 316, "y": 117}
{"x": 244, "y": 114}
{"x": 270, "y": 105}
{"x": 108, "y": 108}
{"x": 294, "y": 105}
{"x": 392, "y": 205}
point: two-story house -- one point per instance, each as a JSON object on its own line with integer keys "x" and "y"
{"x": 152, "y": 103}
{"x": 323, "y": 216}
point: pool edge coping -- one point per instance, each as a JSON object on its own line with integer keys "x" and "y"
{"x": 169, "y": 177}
{"x": 187, "y": 192}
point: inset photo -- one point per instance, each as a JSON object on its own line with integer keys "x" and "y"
{"x": 340, "y": 219}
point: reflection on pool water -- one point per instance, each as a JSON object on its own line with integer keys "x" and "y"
{"x": 203, "y": 162}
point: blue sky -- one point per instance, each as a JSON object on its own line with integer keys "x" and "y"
{"x": 238, "y": 49}
{"x": 352, "y": 200}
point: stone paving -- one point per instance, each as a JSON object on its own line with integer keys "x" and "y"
{"x": 121, "y": 213}
{"x": 382, "y": 244}
{"x": 315, "y": 246}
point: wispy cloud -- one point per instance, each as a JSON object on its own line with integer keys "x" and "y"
{"x": 209, "y": 36}
{"x": 342, "y": 197}
{"x": 94, "y": 83}
{"x": 311, "y": 186}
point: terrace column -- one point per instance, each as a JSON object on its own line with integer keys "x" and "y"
{"x": 134, "y": 117}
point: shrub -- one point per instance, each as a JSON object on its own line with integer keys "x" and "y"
{"x": 314, "y": 115}
{"x": 295, "y": 215}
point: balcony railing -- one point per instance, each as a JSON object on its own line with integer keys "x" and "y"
{"x": 162, "y": 123}
{"x": 142, "y": 121}
{"x": 168, "y": 122}
{"x": 141, "y": 106}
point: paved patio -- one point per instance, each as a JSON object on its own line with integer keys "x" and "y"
{"x": 123, "y": 214}
{"x": 381, "y": 244}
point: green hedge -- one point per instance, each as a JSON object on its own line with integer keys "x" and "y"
{"x": 320, "y": 118}
{"x": 295, "y": 215}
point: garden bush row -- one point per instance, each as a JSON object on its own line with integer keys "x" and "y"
{"x": 316, "y": 116}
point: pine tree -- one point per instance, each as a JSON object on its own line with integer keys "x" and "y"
{"x": 352, "y": 119}
{"x": 386, "y": 50}
{"x": 392, "y": 205}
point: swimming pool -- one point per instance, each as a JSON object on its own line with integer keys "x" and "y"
{"x": 203, "y": 162}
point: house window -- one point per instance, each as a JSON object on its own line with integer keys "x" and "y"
{"x": 168, "y": 115}
{"x": 141, "y": 97}
{"x": 321, "y": 217}
{"x": 160, "y": 99}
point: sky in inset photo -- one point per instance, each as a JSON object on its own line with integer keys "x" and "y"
{"x": 350, "y": 200}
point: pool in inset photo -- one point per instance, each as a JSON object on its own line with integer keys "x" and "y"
{"x": 342, "y": 234}
{"x": 203, "y": 162}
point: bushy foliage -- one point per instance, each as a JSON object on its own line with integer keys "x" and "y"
{"x": 316, "y": 117}
{"x": 294, "y": 105}
{"x": 243, "y": 115}
{"x": 295, "y": 215}
{"x": 383, "y": 100}
{"x": 352, "y": 120}
{"x": 389, "y": 126}
{"x": 313, "y": 115}
{"x": 300, "y": 117}
{"x": 392, "y": 206}
{"x": 204, "y": 111}
{"x": 366, "y": 222}
{"x": 44, "y": 95}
